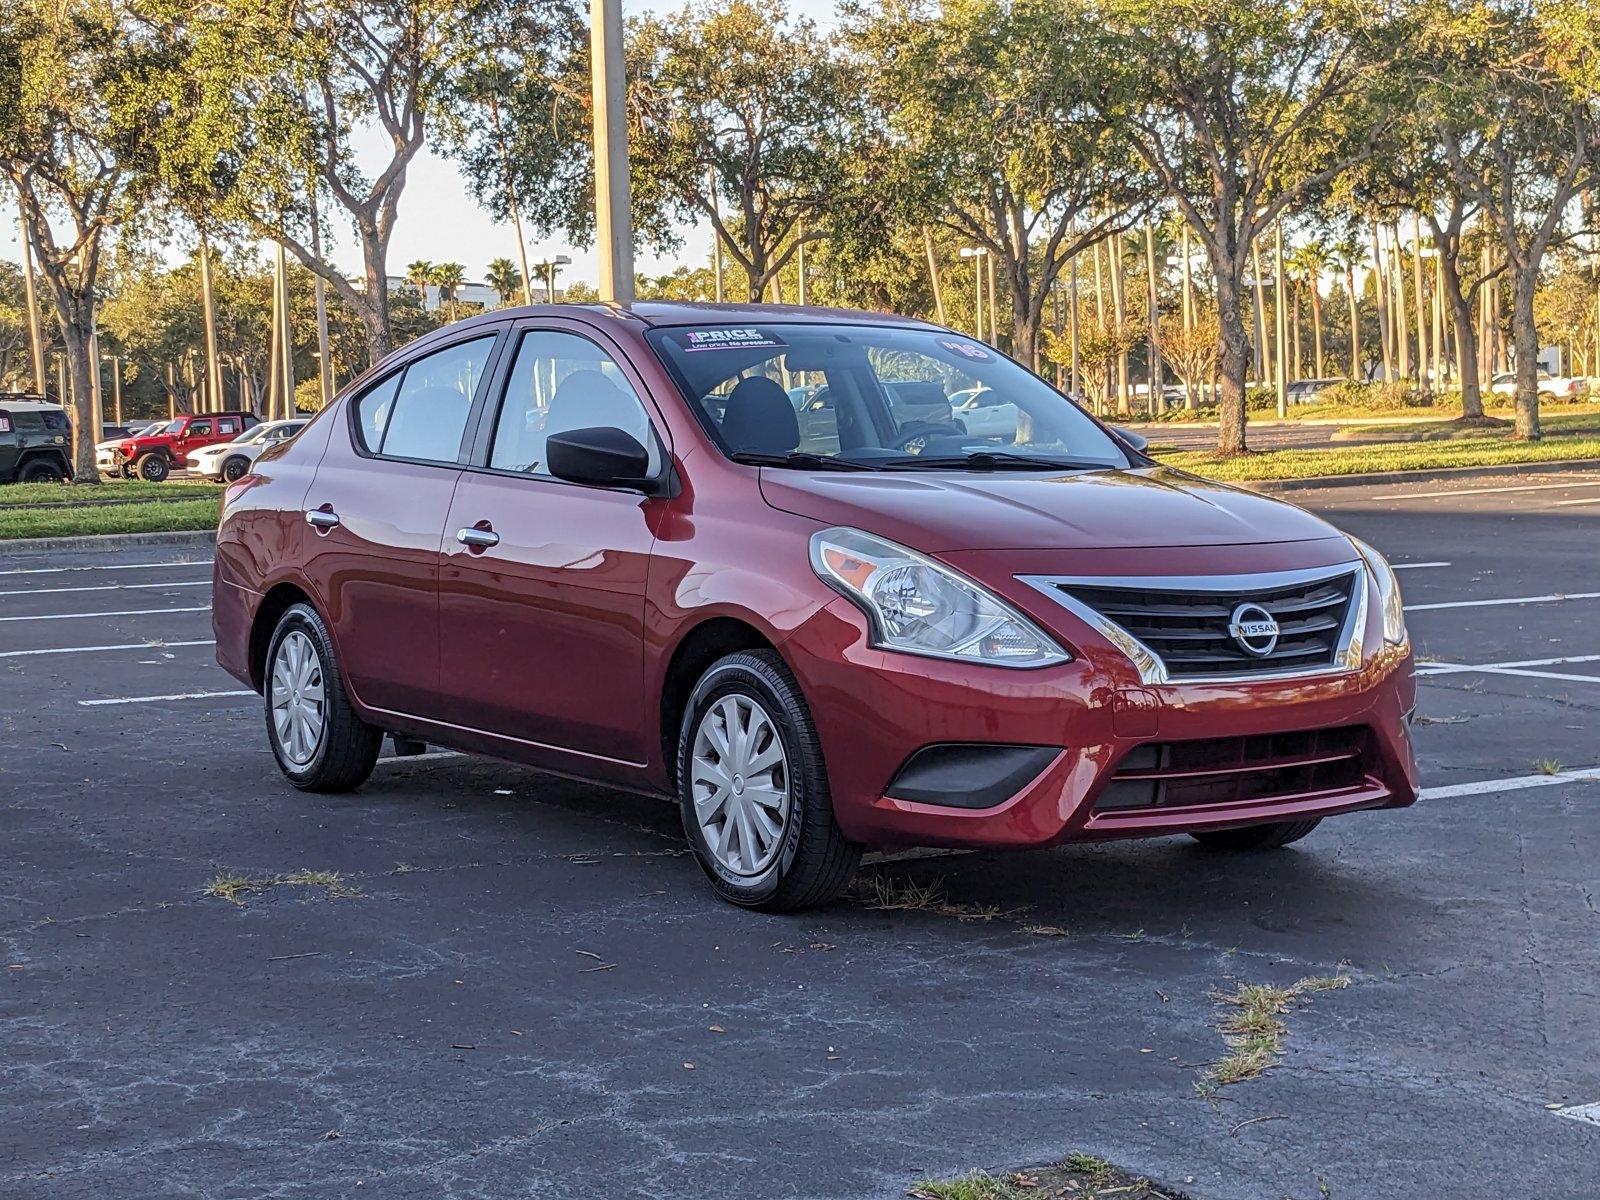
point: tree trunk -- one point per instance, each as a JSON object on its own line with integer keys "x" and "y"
{"x": 1380, "y": 292}
{"x": 1355, "y": 324}
{"x": 76, "y": 336}
{"x": 1525, "y": 336}
{"x": 1448, "y": 280}
{"x": 1316, "y": 325}
{"x": 1233, "y": 361}
{"x": 208, "y": 304}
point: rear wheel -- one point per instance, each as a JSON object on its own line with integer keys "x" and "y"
{"x": 234, "y": 468}
{"x": 1257, "y": 837}
{"x": 319, "y": 742}
{"x": 753, "y": 789}
{"x": 152, "y": 468}
{"x": 41, "y": 470}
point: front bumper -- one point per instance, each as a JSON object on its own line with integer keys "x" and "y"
{"x": 874, "y": 710}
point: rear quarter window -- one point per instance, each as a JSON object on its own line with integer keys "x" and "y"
{"x": 5, "y": 422}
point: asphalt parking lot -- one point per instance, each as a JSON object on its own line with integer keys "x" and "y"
{"x": 529, "y": 991}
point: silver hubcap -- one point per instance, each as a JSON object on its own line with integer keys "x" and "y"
{"x": 298, "y": 704}
{"x": 740, "y": 783}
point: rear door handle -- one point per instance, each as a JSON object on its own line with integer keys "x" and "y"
{"x": 478, "y": 539}
{"x": 322, "y": 518}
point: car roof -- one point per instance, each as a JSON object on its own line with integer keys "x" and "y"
{"x": 22, "y": 405}
{"x": 662, "y": 313}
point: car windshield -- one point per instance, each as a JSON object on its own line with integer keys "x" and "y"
{"x": 876, "y": 397}
{"x": 249, "y": 435}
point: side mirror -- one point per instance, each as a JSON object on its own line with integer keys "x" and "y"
{"x": 603, "y": 456}
{"x": 1137, "y": 440}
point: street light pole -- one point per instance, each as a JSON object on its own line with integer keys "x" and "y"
{"x": 976, "y": 253}
{"x": 612, "y": 201}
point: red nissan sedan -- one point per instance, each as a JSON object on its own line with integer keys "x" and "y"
{"x": 752, "y": 559}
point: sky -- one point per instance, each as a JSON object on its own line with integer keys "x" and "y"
{"x": 439, "y": 222}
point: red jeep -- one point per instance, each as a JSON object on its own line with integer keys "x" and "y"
{"x": 154, "y": 456}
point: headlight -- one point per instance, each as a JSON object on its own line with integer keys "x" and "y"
{"x": 919, "y": 607}
{"x": 1388, "y": 592}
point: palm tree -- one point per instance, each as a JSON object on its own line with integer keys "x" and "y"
{"x": 1310, "y": 262}
{"x": 447, "y": 277}
{"x": 1348, "y": 254}
{"x": 418, "y": 275}
{"x": 504, "y": 278}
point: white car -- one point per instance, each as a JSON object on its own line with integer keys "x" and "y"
{"x": 105, "y": 452}
{"x": 985, "y": 414}
{"x": 229, "y": 460}
{"x": 1560, "y": 388}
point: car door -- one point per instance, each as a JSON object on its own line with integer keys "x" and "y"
{"x": 377, "y": 509}
{"x": 191, "y": 437}
{"x": 541, "y": 591}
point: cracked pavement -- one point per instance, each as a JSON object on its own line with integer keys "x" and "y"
{"x": 520, "y": 1001}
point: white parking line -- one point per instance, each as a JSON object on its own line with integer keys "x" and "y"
{"x": 157, "y": 699}
{"x": 1521, "y": 487}
{"x": 1569, "y": 503}
{"x": 1589, "y": 1114}
{"x": 1551, "y": 598}
{"x": 1417, "y": 566}
{"x": 429, "y": 756}
{"x": 1485, "y": 787}
{"x": 97, "y": 649}
{"x": 106, "y": 587}
{"x": 199, "y": 562}
{"x": 1440, "y": 668}
{"x": 127, "y": 612}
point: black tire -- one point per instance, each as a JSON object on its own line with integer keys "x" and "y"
{"x": 126, "y": 471}
{"x": 153, "y": 468}
{"x": 234, "y": 468}
{"x": 815, "y": 861}
{"x": 41, "y": 470}
{"x": 1257, "y": 837}
{"x": 348, "y": 746}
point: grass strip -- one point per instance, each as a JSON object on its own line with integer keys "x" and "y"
{"x": 151, "y": 516}
{"x": 1484, "y": 451}
{"x": 22, "y": 495}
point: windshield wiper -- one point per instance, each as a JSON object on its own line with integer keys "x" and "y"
{"x": 799, "y": 461}
{"x": 989, "y": 460}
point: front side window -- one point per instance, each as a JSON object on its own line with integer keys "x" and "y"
{"x": 876, "y": 397}
{"x": 421, "y": 412}
{"x": 560, "y": 382}
{"x": 200, "y": 429}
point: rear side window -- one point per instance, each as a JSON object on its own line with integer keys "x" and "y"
{"x": 227, "y": 425}
{"x": 57, "y": 422}
{"x": 422, "y": 412}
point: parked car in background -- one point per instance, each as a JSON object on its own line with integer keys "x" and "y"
{"x": 229, "y": 461}
{"x": 612, "y": 549}
{"x": 1557, "y": 387}
{"x": 1306, "y": 391}
{"x": 35, "y": 440}
{"x": 985, "y": 413}
{"x": 105, "y": 451}
{"x": 153, "y": 457}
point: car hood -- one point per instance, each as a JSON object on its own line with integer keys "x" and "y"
{"x": 937, "y": 512}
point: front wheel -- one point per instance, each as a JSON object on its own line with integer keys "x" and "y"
{"x": 319, "y": 742}
{"x": 1257, "y": 837}
{"x": 753, "y": 789}
{"x": 153, "y": 468}
{"x": 235, "y": 468}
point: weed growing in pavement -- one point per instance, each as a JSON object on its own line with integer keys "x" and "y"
{"x": 230, "y": 886}
{"x": 1547, "y": 766}
{"x": 1087, "y": 1164}
{"x": 1252, "y": 1027}
{"x": 907, "y": 895}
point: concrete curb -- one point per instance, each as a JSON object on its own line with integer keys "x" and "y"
{"x": 112, "y": 541}
{"x": 1441, "y": 475}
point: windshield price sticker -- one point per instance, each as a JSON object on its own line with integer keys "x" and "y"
{"x": 966, "y": 349}
{"x": 728, "y": 339}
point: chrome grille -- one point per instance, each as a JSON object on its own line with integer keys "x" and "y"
{"x": 1180, "y": 628}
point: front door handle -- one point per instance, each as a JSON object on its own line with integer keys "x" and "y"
{"x": 322, "y": 518}
{"x": 478, "y": 539}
